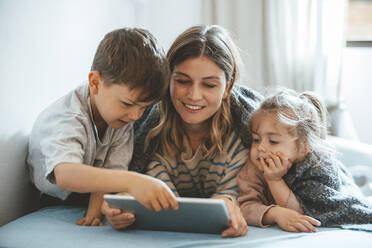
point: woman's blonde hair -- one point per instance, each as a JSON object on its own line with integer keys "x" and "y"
{"x": 215, "y": 43}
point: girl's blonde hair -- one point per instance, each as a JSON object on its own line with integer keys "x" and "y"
{"x": 305, "y": 115}
{"x": 215, "y": 43}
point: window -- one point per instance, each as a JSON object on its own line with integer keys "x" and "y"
{"x": 359, "y": 30}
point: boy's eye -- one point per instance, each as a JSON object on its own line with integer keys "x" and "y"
{"x": 126, "y": 104}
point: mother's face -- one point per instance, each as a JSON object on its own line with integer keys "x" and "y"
{"x": 197, "y": 88}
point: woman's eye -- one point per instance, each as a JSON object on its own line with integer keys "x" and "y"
{"x": 181, "y": 81}
{"x": 209, "y": 85}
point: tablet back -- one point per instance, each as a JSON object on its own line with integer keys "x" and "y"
{"x": 196, "y": 215}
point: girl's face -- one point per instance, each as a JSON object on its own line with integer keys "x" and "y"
{"x": 271, "y": 136}
{"x": 197, "y": 88}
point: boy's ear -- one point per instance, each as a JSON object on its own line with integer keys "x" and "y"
{"x": 94, "y": 81}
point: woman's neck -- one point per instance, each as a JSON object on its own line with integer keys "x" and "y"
{"x": 195, "y": 134}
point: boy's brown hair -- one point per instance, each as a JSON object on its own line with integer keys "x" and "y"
{"x": 132, "y": 56}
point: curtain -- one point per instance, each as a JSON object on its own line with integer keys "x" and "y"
{"x": 292, "y": 43}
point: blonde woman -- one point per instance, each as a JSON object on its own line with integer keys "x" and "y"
{"x": 194, "y": 145}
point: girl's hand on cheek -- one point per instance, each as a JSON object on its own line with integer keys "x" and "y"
{"x": 274, "y": 167}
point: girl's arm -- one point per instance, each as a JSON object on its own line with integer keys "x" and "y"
{"x": 253, "y": 200}
{"x": 274, "y": 168}
{"x": 283, "y": 196}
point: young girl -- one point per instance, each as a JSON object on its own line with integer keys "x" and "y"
{"x": 292, "y": 177}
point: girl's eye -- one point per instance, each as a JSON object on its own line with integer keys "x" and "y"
{"x": 274, "y": 142}
{"x": 256, "y": 140}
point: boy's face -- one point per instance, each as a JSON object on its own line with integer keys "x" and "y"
{"x": 115, "y": 104}
{"x": 270, "y": 136}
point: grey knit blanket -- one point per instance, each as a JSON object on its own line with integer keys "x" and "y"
{"x": 243, "y": 102}
{"x": 327, "y": 192}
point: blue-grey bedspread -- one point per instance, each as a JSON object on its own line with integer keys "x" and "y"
{"x": 55, "y": 227}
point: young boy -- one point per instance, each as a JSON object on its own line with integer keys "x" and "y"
{"x": 79, "y": 137}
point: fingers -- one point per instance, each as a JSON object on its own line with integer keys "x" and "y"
{"x": 109, "y": 211}
{"x": 284, "y": 160}
{"x": 122, "y": 221}
{"x": 81, "y": 222}
{"x": 313, "y": 221}
{"x": 89, "y": 221}
{"x": 238, "y": 226}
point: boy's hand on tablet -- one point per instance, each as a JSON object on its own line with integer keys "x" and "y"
{"x": 116, "y": 218}
{"x": 152, "y": 193}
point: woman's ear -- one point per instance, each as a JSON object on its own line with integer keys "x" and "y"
{"x": 227, "y": 89}
{"x": 94, "y": 81}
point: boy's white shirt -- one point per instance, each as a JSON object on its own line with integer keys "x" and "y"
{"x": 65, "y": 133}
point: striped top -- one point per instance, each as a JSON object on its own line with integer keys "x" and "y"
{"x": 191, "y": 175}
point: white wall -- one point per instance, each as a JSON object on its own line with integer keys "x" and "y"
{"x": 47, "y": 46}
{"x": 357, "y": 89}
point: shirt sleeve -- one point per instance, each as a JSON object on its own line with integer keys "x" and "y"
{"x": 294, "y": 204}
{"x": 53, "y": 141}
{"x": 157, "y": 169}
{"x": 228, "y": 185}
{"x": 253, "y": 201}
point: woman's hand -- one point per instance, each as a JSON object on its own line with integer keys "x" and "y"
{"x": 238, "y": 225}
{"x": 275, "y": 166}
{"x": 116, "y": 218}
{"x": 291, "y": 221}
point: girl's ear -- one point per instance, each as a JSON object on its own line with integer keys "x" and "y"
{"x": 305, "y": 150}
{"x": 94, "y": 81}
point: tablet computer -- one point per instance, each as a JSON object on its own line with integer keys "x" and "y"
{"x": 197, "y": 215}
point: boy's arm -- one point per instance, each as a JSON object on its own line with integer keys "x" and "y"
{"x": 150, "y": 192}
{"x": 93, "y": 215}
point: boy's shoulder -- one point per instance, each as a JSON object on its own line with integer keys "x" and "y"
{"x": 72, "y": 106}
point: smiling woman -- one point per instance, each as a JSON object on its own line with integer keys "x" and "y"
{"x": 196, "y": 147}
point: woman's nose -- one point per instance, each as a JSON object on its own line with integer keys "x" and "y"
{"x": 194, "y": 92}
